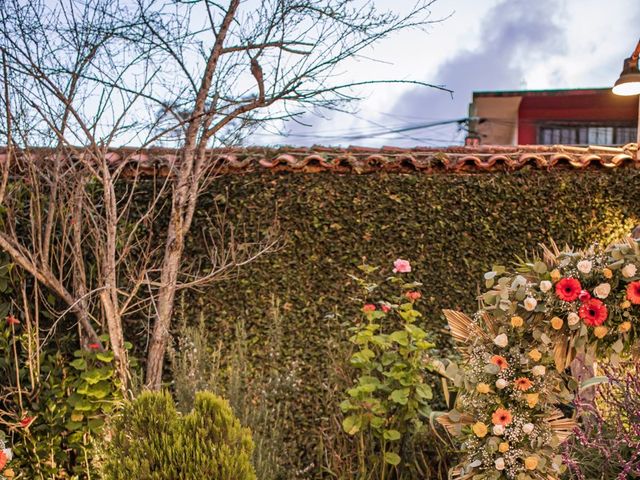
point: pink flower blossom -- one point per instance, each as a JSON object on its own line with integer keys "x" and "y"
{"x": 369, "y": 307}
{"x": 401, "y": 266}
{"x": 385, "y": 308}
{"x": 584, "y": 296}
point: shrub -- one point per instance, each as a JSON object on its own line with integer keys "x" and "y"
{"x": 255, "y": 394}
{"x": 151, "y": 440}
{"x": 606, "y": 445}
{"x": 54, "y": 401}
{"x": 388, "y": 407}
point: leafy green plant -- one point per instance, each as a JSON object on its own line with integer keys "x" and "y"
{"x": 54, "y": 404}
{"x": 389, "y": 405}
{"x": 151, "y": 440}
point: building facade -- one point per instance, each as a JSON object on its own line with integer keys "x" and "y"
{"x": 553, "y": 117}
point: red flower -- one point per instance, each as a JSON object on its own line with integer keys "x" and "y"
{"x": 413, "y": 295}
{"x": 3, "y": 460}
{"x": 568, "y": 289}
{"x": 633, "y": 292}
{"x": 369, "y": 307}
{"x": 26, "y": 421}
{"x": 94, "y": 346}
{"x": 385, "y": 308}
{"x": 584, "y": 296}
{"x": 11, "y": 320}
{"x": 593, "y": 312}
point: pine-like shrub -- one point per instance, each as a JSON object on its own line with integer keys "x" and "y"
{"x": 151, "y": 440}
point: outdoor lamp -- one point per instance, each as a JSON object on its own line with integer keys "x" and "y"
{"x": 629, "y": 84}
{"x": 629, "y": 81}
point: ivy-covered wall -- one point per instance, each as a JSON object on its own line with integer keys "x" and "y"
{"x": 452, "y": 227}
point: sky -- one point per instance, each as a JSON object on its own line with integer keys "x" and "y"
{"x": 478, "y": 45}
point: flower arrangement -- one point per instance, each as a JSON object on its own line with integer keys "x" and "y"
{"x": 6, "y": 455}
{"x": 563, "y": 310}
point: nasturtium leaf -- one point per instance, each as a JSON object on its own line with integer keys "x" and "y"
{"x": 392, "y": 435}
{"x": 392, "y": 458}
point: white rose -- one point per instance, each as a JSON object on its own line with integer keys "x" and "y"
{"x": 573, "y": 318}
{"x": 501, "y": 383}
{"x": 528, "y": 428}
{"x": 629, "y": 270}
{"x": 584, "y": 266}
{"x": 545, "y": 286}
{"x": 498, "y": 429}
{"x": 501, "y": 340}
{"x": 530, "y": 304}
{"x": 499, "y": 463}
{"x": 602, "y": 290}
{"x": 539, "y": 370}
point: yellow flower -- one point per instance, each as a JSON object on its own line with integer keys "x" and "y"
{"x": 556, "y": 275}
{"x": 517, "y": 321}
{"x": 531, "y": 462}
{"x": 532, "y": 399}
{"x": 503, "y": 447}
{"x": 556, "y": 323}
{"x": 482, "y": 388}
{"x": 600, "y": 331}
{"x": 607, "y": 273}
{"x": 625, "y": 304}
{"x": 480, "y": 429}
{"x": 535, "y": 355}
{"x": 624, "y": 327}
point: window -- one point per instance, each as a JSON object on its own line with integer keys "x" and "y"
{"x": 586, "y": 134}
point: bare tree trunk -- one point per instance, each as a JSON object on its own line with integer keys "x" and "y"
{"x": 185, "y": 197}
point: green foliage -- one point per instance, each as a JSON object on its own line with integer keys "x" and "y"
{"x": 57, "y": 404}
{"x": 151, "y": 440}
{"x": 197, "y": 364}
{"x": 452, "y": 227}
{"x": 389, "y": 405}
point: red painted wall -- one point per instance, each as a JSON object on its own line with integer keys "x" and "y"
{"x": 592, "y": 106}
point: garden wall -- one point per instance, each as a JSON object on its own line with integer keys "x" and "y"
{"x": 452, "y": 227}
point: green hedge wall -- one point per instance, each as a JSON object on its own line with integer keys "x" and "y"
{"x": 452, "y": 227}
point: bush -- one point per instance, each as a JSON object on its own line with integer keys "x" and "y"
{"x": 255, "y": 395}
{"x": 53, "y": 399}
{"x": 150, "y": 440}
{"x": 606, "y": 445}
{"x": 389, "y": 404}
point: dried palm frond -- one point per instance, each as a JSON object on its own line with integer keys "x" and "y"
{"x": 551, "y": 253}
{"x": 563, "y": 352}
{"x": 562, "y": 426}
{"x": 454, "y": 427}
{"x": 463, "y": 329}
{"x": 490, "y": 323}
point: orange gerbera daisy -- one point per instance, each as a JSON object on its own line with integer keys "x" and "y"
{"x": 523, "y": 383}
{"x": 499, "y": 361}
{"x": 501, "y": 416}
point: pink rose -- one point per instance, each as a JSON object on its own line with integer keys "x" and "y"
{"x": 369, "y": 307}
{"x": 584, "y": 296}
{"x": 401, "y": 266}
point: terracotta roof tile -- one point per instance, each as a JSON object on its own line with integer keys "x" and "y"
{"x": 484, "y": 158}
